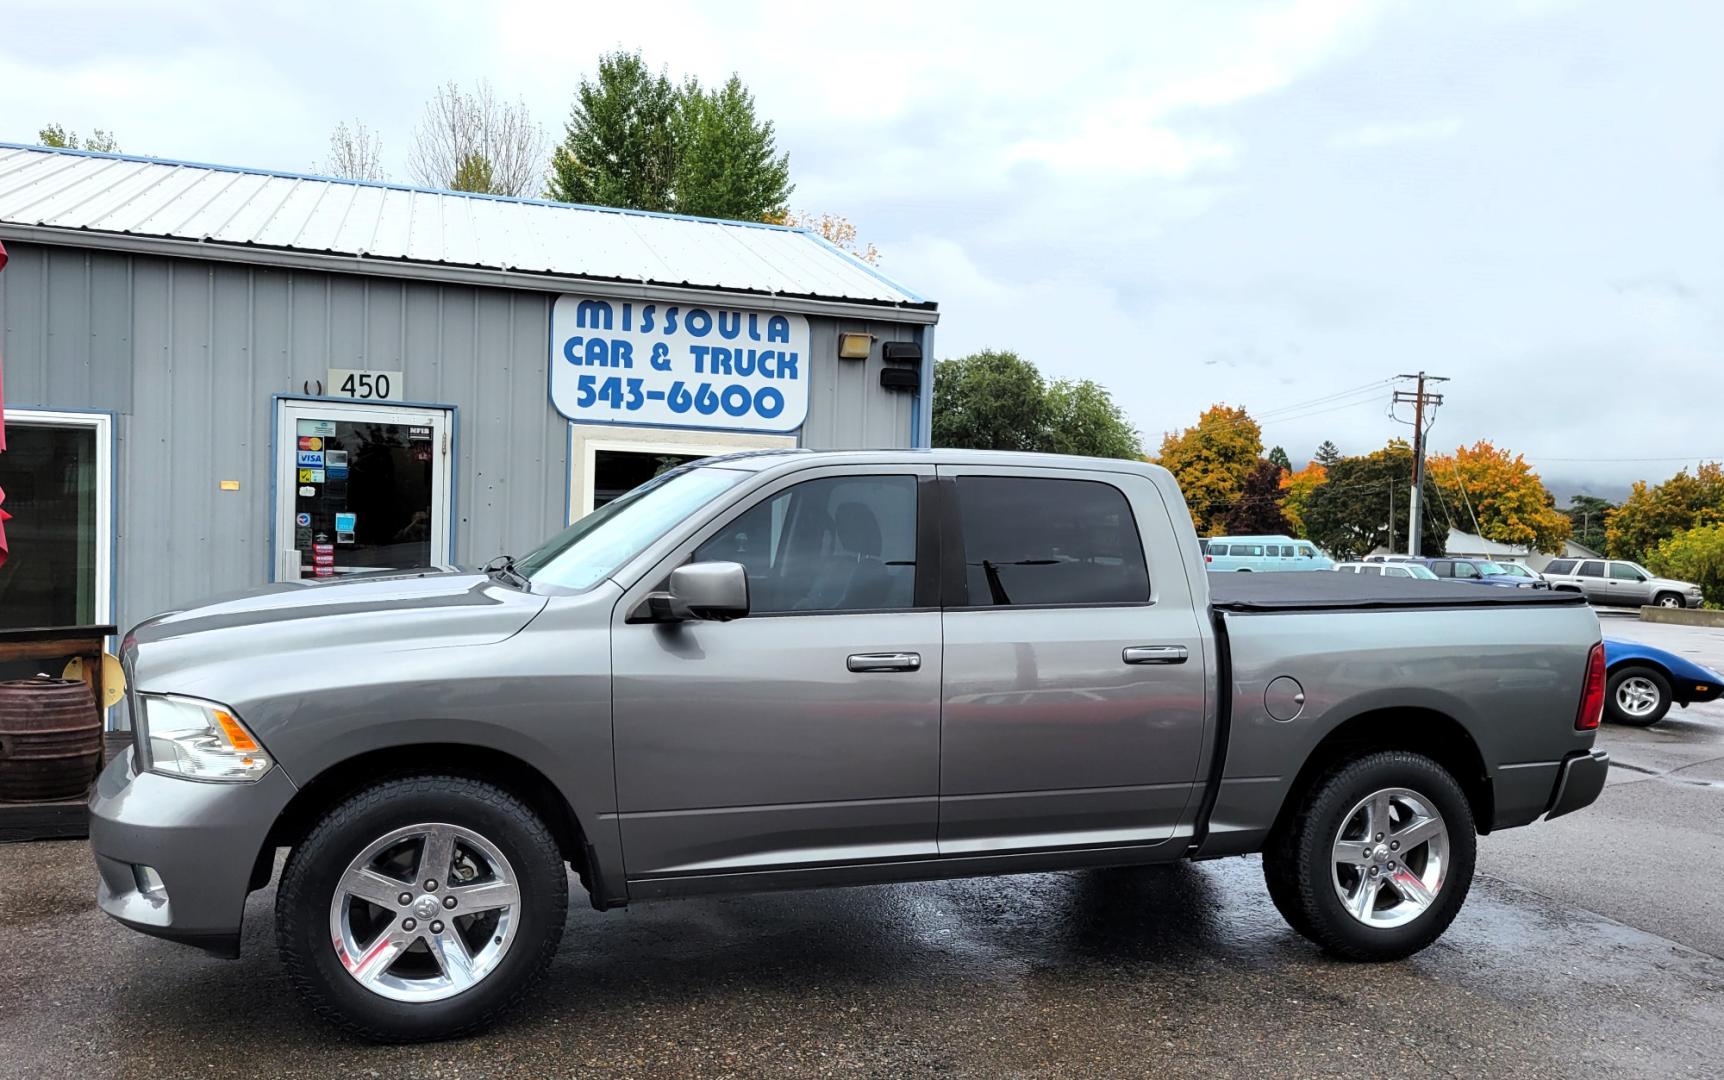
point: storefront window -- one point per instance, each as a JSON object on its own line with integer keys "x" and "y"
{"x": 50, "y": 473}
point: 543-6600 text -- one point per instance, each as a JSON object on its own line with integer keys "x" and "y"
{"x": 629, "y": 394}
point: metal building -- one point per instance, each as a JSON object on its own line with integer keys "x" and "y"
{"x": 218, "y": 377}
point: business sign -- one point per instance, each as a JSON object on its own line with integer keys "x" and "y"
{"x": 673, "y": 365}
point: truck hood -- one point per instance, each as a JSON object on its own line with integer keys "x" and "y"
{"x": 293, "y": 623}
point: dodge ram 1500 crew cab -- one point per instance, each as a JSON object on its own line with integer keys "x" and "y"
{"x": 791, "y": 669}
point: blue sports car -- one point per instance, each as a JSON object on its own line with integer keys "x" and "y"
{"x": 1644, "y": 681}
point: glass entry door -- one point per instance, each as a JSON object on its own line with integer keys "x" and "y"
{"x": 360, "y": 488}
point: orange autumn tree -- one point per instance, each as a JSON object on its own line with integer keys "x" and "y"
{"x": 1211, "y": 460}
{"x": 1298, "y": 487}
{"x": 1503, "y": 493}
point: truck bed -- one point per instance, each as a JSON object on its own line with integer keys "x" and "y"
{"x": 1319, "y": 591}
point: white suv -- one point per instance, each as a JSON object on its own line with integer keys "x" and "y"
{"x": 1619, "y": 583}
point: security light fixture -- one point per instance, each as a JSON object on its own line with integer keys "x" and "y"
{"x": 901, "y": 352}
{"x": 855, "y": 346}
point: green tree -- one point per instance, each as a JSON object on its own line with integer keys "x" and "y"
{"x": 996, "y": 400}
{"x": 1654, "y": 513}
{"x": 1211, "y": 461}
{"x": 1257, "y": 511}
{"x": 1327, "y": 454}
{"x": 1280, "y": 458}
{"x": 1348, "y": 514}
{"x": 98, "y": 140}
{"x": 727, "y": 164}
{"x": 619, "y": 146}
{"x": 1695, "y": 555}
{"x": 1586, "y": 516}
{"x": 1082, "y": 418}
{"x": 473, "y": 174}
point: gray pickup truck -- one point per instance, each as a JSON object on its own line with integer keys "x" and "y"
{"x": 793, "y": 669}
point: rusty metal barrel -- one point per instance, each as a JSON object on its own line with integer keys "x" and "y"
{"x": 50, "y": 740}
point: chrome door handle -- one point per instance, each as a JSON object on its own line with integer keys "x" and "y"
{"x": 1155, "y": 654}
{"x": 884, "y": 661}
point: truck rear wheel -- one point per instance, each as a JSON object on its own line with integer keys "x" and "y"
{"x": 1378, "y": 858}
{"x": 421, "y": 908}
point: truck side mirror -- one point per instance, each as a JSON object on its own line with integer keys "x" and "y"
{"x": 705, "y": 590}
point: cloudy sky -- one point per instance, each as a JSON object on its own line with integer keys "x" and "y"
{"x": 1273, "y": 204}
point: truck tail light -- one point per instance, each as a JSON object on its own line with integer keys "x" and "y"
{"x": 1592, "y": 695}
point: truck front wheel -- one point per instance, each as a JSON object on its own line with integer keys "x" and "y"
{"x": 421, "y": 907}
{"x": 1377, "y": 860}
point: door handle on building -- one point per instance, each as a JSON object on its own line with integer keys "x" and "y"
{"x": 1155, "y": 654}
{"x": 884, "y": 661}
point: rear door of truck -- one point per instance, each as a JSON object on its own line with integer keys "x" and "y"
{"x": 1074, "y": 702}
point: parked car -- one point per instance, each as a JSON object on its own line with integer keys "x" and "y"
{"x": 795, "y": 669}
{"x": 1644, "y": 681}
{"x": 1388, "y": 558}
{"x": 1387, "y": 569}
{"x": 1263, "y": 553}
{"x": 1478, "y": 572}
{"x": 1522, "y": 571}
{"x": 1616, "y": 582}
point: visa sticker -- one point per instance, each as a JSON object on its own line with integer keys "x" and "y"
{"x": 311, "y": 459}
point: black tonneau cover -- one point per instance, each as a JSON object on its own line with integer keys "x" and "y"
{"x": 1319, "y": 590}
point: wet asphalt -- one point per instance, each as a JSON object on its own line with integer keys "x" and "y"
{"x": 1590, "y": 946}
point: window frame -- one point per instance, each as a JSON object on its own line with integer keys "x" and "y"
{"x": 1603, "y": 569}
{"x": 102, "y": 425}
{"x": 954, "y": 581}
{"x": 925, "y": 592}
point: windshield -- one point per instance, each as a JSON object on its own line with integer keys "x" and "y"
{"x": 594, "y": 547}
{"x": 1490, "y": 569}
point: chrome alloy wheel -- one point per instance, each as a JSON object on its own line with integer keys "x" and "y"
{"x": 1390, "y": 856}
{"x": 1636, "y": 696}
{"x": 425, "y": 912}
{"x": 1668, "y": 601}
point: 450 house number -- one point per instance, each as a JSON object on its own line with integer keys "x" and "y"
{"x": 365, "y": 385}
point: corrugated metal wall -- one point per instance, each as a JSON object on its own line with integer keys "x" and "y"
{"x": 189, "y": 355}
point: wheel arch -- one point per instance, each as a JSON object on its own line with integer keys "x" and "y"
{"x": 507, "y": 771}
{"x": 1426, "y": 731}
{"x": 1650, "y": 664}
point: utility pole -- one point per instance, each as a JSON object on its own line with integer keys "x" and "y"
{"x": 1419, "y": 399}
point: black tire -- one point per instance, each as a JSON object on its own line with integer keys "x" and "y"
{"x": 1618, "y": 715}
{"x": 308, "y": 883}
{"x": 1298, "y": 870}
{"x": 1667, "y": 600}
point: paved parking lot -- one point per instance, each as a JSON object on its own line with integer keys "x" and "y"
{"x": 1590, "y": 946}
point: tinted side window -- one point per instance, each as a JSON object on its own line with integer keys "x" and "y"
{"x": 1591, "y": 568}
{"x": 1395, "y": 571}
{"x": 1466, "y": 570}
{"x": 843, "y": 543}
{"x": 1443, "y": 568}
{"x": 1254, "y": 550}
{"x": 1560, "y": 566}
{"x": 1624, "y": 572}
{"x": 1374, "y": 570}
{"x": 1047, "y": 541}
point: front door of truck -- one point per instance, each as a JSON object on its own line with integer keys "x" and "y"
{"x": 359, "y": 487}
{"x": 808, "y": 732}
{"x": 1073, "y": 712}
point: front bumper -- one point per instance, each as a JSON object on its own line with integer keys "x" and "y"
{"x": 201, "y": 839}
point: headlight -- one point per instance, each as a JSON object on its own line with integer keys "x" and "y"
{"x": 199, "y": 740}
